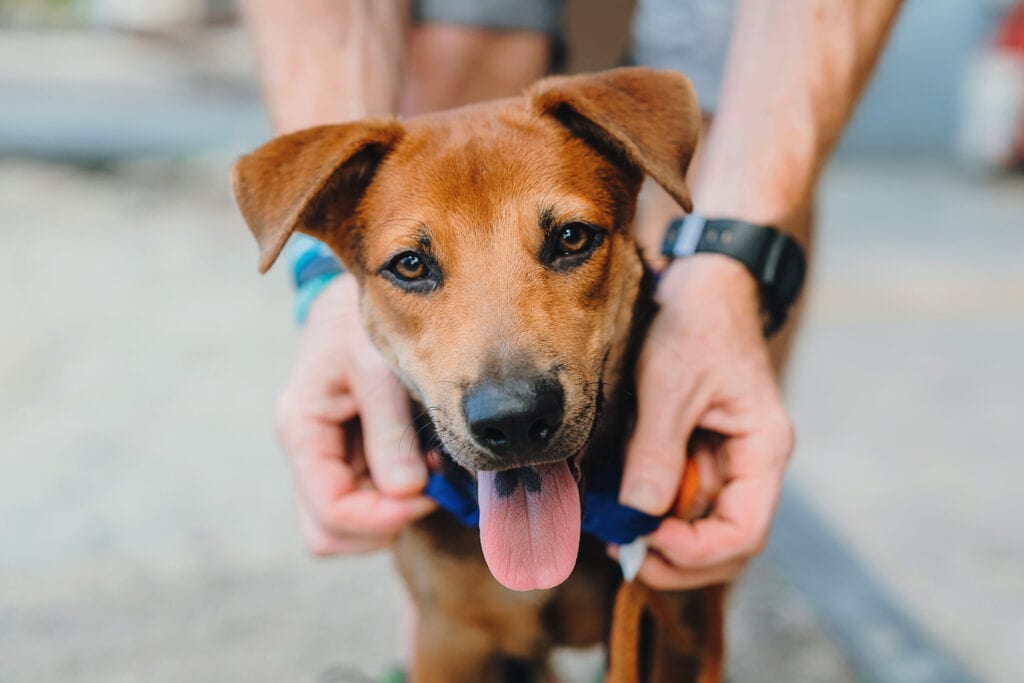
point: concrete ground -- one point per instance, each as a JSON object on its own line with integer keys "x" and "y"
{"x": 908, "y": 392}
{"x": 146, "y": 529}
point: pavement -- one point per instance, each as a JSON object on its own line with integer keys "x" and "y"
{"x": 908, "y": 389}
{"x": 146, "y": 523}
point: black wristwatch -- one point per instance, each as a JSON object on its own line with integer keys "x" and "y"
{"x": 775, "y": 259}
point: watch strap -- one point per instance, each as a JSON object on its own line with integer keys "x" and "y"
{"x": 775, "y": 259}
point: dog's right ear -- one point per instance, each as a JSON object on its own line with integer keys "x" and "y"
{"x": 642, "y": 118}
{"x": 309, "y": 181}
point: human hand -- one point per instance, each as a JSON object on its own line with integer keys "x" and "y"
{"x": 343, "y": 419}
{"x": 705, "y": 366}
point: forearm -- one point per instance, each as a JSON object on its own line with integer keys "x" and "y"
{"x": 794, "y": 73}
{"x": 327, "y": 61}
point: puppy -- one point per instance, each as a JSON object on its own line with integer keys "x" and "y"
{"x": 498, "y": 275}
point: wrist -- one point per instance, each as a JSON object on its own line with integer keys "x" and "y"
{"x": 323, "y": 298}
{"x": 774, "y": 261}
{"x": 710, "y": 279}
{"x": 314, "y": 268}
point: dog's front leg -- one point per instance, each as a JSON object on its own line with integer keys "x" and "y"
{"x": 699, "y": 657}
{"x": 450, "y": 651}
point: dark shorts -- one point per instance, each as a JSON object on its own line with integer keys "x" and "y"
{"x": 688, "y": 36}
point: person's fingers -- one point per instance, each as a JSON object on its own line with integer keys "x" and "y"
{"x": 661, "y": 575}
{"x": 316, "y": 452}
{"x": 764, "y": 449}
{"x": 736, "y": 530}
{"x": 389, "y": 441}
{"x": 366, "y": 511}
{"x": 322, "y": 543}
{"x": 334, "y": 497}
{"x": 666, "y": 415}
{"x": 320, "y": 417}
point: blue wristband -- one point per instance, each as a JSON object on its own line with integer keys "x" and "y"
{"x": 307, "y": 293}
{"x": 313, "y": 267}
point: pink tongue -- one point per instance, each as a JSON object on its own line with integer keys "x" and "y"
{"x": 531, "y": 538}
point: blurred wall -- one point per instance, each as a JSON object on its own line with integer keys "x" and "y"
{"x": 911, "y": 107}
{"x": 912, "y": 104}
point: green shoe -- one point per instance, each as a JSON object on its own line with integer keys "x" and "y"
{"x": 393, "y": 675}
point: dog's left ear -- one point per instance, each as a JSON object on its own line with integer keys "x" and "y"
{"x": 647, "y": 118}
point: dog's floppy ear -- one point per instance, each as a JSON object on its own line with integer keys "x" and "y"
{"x": 647, "y": 118}
{"x": 309, "y": 181}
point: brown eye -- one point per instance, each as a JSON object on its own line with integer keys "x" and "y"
{"x": 570, "y": 245}
{"x": 573, "y": 238}
{"x": 412, "y": 271}
{"x": 409, "y": 266}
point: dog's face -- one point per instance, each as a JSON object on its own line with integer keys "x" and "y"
{"x": 497, "y": 275}
{"x": 492, "y": 245}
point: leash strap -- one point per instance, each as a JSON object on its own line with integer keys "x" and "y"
{"x": 633, "y": 599}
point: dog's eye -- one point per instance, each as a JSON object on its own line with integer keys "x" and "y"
{"x": 409, "y": 266}
{"x": 413, "y": 272}
{"x": 570, "y": 245}
{"x": 573, "y": 238}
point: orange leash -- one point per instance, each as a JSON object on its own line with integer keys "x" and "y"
{"x": 634, "y": 598}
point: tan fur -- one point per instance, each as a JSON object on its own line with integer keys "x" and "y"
{"x": 476, "y": 182}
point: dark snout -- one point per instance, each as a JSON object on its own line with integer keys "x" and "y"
{"x": 514, "y": 418}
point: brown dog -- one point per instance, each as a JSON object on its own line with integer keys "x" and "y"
{"x": 499, "y": 277}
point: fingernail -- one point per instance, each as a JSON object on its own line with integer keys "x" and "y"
{"x": 642, "y": 496}
{"x": 406, "y": 476}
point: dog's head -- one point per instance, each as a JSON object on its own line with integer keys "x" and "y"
{"x": 492, "y": 246}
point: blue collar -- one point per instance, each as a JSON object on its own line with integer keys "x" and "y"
{"x": 603, "y": 516}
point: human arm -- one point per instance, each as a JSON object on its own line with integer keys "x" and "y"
{"x": 328, "y": 61}
{"x": 795, "y": 71}
{"x": 358, "y": 481}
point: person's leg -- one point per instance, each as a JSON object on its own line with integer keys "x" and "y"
{"x": 325, "y": 62}
{"x": 463, "y": 51}
{"x": 452, "y": 65}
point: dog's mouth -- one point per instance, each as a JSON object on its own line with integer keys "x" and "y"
{"x": 530, "y": 519}
{"x": 530, "y": 515}
{"x": 530, "y": 524}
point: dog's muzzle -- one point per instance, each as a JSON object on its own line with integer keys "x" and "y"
{"x": 515, "y": 419}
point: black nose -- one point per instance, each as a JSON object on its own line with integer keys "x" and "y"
{"x": 514, "y": 417}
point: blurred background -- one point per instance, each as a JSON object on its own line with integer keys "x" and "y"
{"x": 146, "y": 523}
